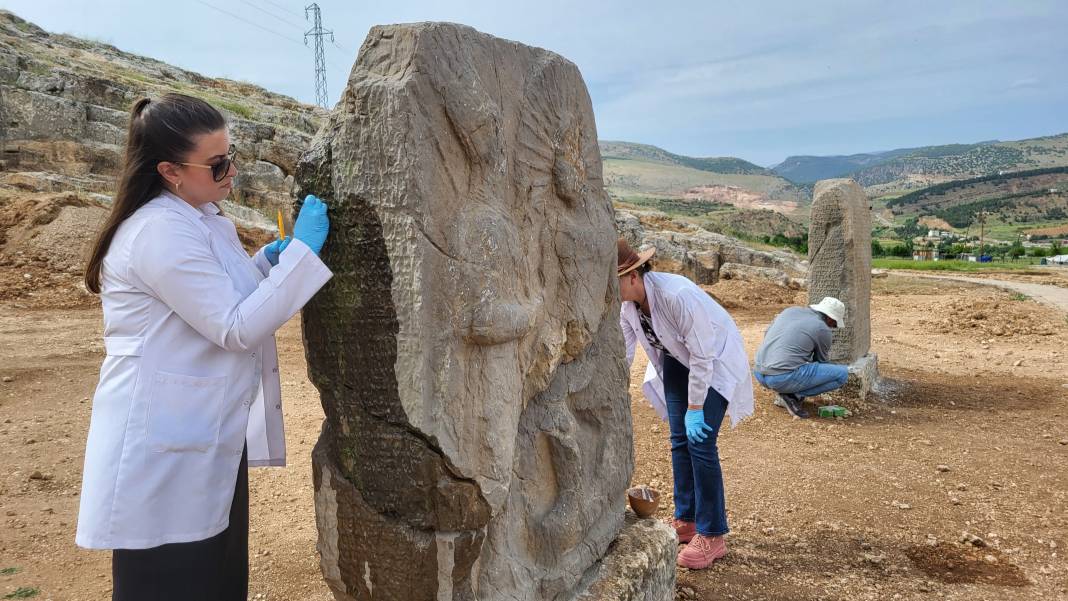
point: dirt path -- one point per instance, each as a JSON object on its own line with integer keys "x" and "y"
{"x": 1054, "y": 296}
{"x": 834, "y": 510}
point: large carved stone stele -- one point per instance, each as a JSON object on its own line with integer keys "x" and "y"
{"x": 477, "y": 441}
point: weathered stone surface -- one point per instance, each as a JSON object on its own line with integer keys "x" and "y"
{"x": 105, "y": 133}
{"x": 477, "y": 442}
{"x": 700, "y": 254}
{"x": 738, "y": 271}
{"x": 32, "y": 115}
{"x": 261, "y": 185}
{"x": 639, "y": 567}
{"x": 863, "y": 377}
{"x": 839, "y": 244}
{"x": 106, "y": 115}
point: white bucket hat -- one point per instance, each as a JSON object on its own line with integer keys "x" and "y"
{"x": 831, "y": 307}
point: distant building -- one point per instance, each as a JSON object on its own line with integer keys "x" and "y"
{"x": 925, "y": 254}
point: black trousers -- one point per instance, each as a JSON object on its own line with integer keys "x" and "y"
{"x": 213, "y": 569}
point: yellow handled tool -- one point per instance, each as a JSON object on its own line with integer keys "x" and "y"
{"x": 281, "y": 226}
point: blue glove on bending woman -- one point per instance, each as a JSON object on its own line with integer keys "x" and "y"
{"x": 696, "y": 427}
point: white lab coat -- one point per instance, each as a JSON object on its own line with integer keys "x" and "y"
{"x": 700, "y": 334}
{"x": 191, "y": 373}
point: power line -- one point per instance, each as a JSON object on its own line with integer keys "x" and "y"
{"x": 318, "y": 33}
{"x": 243, "y": 20}
{"x": 284, "y": 8}
{"x": 270, "y": 14}
{"x": 335, "y": 68}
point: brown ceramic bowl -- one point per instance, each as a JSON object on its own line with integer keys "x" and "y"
{"x": 642, "y": 506}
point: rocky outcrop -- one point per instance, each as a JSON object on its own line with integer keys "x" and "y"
{"x": 64, "y": 103}
{"x": 701, "y": 255}
{"x": 477, "y": 442}
{"x": 738, "y": 271}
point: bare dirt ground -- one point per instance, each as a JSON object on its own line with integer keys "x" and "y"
{"x": 970, "y": 436}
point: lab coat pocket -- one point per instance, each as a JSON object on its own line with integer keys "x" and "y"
{"x": 184, "y": 412}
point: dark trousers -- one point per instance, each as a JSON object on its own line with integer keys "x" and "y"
{"x": 213, "y": 569}
{"x": 695, "y": 466}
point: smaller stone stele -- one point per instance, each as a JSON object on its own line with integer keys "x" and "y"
{"x": 839, "y": 255}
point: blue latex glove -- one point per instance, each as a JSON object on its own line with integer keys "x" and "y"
{"x": 272, "y": 250}
{"x": 696, "y": 426}
{"x": 312, "y": 224}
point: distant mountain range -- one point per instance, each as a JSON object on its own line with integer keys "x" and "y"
{"x": 906, "y": 169}
{"x": 1021, "y": 184}
{"x": 810, "y": 169}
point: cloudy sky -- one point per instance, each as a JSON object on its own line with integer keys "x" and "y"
{"x": 755, "y": 79}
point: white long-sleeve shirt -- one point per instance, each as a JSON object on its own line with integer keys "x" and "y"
{"x": 700, "y": 334}
{"x": 191, "y": 374}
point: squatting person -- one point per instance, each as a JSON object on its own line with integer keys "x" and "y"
{"x": 793, "y": 359}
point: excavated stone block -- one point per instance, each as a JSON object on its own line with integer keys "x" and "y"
{"x": 863, "y": 377}
{"x": 639, "y": 567}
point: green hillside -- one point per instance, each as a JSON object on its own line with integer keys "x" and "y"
{"x": 1014, "y": 203}
{"x": 650, "y": 176}
{"x": 723, "y": 194}
{"x": 653, "y": 154}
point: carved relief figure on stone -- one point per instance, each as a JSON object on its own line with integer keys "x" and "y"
{"x": 794, "y": 359}
{"x": 698, "y": 373}
{"x": 478, "y": 439}
{"x": 189, "y": 394}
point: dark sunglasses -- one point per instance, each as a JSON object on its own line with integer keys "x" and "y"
{"x": 220, "y": 169}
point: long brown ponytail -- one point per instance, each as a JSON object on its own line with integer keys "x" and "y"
{"x": 160, "y": 130}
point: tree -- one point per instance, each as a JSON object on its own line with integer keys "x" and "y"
{"x": 902, "y": 250}
{"x": 1017, "y": 250}
{"x": 1055, "y": 249}
{"x": 877, "y": 249}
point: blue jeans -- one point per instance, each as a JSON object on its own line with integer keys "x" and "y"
{"x": 808, "y": 380}
{"x": 695, "y": 466}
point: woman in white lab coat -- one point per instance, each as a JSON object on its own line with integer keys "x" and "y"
{"x": 189, "y": 394}
{"x": 698, "y": 372}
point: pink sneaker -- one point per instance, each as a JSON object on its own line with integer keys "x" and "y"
{"x": 683, "y": 529}
{"x": 702, "y": 551}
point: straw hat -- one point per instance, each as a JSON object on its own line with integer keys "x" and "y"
{"x": 627, "y": 260}
{"x": 831, "y": 307}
